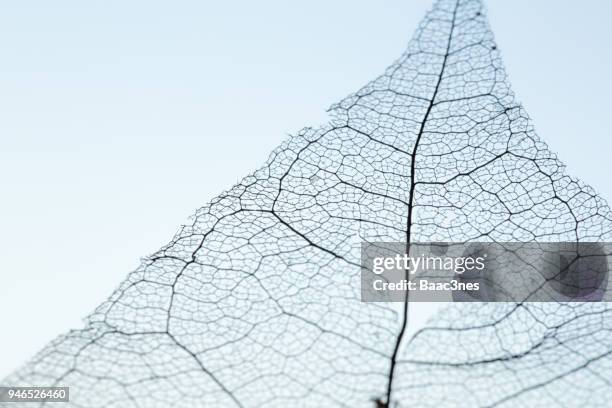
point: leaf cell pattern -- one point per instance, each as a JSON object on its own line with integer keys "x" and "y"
{"x": 256, "y": 302}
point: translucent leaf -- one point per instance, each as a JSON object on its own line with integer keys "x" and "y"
{"x": 255, "y": 302}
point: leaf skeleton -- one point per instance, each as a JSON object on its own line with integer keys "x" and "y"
{"x": 239, "y": 309}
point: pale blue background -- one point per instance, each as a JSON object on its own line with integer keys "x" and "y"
{"x": 119, "y": 118}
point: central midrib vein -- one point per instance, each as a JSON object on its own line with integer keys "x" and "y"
{"x": 411, "y": 206}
